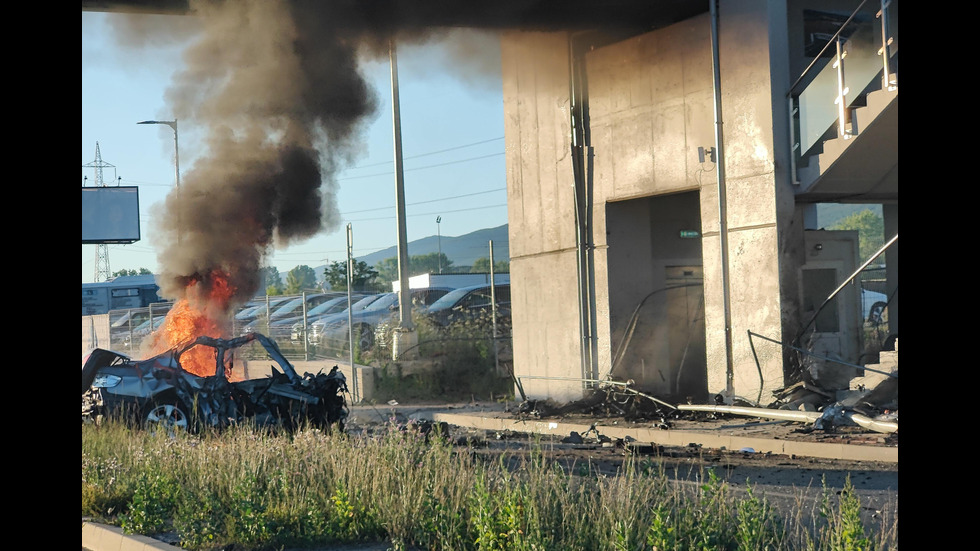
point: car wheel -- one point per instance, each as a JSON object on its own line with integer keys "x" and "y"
{"x": 876, "y": 314}
{"x": 166, "y": 415}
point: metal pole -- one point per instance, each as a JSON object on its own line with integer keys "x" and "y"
{"x": 404, "y": 299}
{"x": 306, "y": 354}
{"x": 493, "y": 311}
{"x": 579, "y": 147}
{"x": 885, "y": 52}
{"x": 439, "y": 234}
{"x": 350, "y": 313}
{"x": 722, "y": 200}
{"x": 173, "y": 125}
{"x": 176, "y": 155}
{"x": 843, "y": 113}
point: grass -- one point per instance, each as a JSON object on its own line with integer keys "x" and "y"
{"x": 261, "y": 491}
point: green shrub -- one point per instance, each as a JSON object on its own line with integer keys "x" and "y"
{"x": 844, "y": 530}
{"x": 153, "y": 502}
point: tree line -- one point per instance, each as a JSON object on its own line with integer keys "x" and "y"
{"x": 374, "y": 279}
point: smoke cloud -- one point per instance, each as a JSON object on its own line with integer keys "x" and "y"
{"x": 277, "y": 90}
{"x": 275, "y": 87}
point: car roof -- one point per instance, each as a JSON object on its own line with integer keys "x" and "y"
{"x": 453, "y": 296}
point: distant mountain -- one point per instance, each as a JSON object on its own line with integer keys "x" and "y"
{"x": 462, "y": 250}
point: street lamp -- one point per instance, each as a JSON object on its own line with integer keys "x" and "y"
{"x": 439, "y": 235}
{"x": 171, "y": 124}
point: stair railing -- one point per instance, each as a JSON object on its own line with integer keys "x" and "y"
{"x": 821, "y": 100}
{"x": 887, "y": 40}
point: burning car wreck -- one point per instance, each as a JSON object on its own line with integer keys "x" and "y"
{"x": 164, "y": 390}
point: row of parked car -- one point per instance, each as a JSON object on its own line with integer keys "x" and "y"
{"x": 282, "y": 317}
{"x": 372, "y": 317}
{"x": 328, "y": 317}
{"x": 325, "y": 322}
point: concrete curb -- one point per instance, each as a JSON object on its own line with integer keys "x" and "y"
{"x": 682, "y": 438}
{"x": 101, "y": 537}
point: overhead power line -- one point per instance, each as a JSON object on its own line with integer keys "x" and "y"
{"x": 430, "y": 213}
{"x": 423, "y": 167}
{"x": 382, "y": 163}
{"x": 429, "y": 201}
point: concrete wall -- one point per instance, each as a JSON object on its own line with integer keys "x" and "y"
{"x": 541, "y": 212}
{"x": 761, "y": 227}
{"x": 651, "y": 105}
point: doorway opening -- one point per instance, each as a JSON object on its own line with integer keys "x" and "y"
{"x": 656, "y": 295}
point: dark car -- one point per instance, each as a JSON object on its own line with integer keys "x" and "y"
{"x": 134, "y": 338}
{"x": 287, "y": 309}
{"x": 317, "y": 327}
{"x": 258, "y": 308}
{"x": 335, "y": 335}
{"x": 159, "y": 391}
{"x": 297, "y": 331}
{"x": 469, "y": 303}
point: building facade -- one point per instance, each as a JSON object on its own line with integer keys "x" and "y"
{"x": 665, "y": 191}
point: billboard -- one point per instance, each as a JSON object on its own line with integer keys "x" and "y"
{"x": 110, "y": 215}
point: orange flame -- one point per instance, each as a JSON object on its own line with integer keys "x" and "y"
{"x": 204, "y": 311}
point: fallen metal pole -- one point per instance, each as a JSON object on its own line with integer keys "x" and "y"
{"x": 801, "y": 416}
{"x": 872, "y": 424}
{"x": 784, "y": 414}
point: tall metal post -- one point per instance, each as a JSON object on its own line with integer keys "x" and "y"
{"x": 173, "y": 124}
{"x": 722, "y": 202}
{"x": 439, "y": 238}
{"x": 405, "y": 331}
{"x": 350, "y": 314}
{"x": 493, "y": 310}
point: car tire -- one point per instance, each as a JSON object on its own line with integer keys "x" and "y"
{"x": 875, "y": 315}
{"x": 167, "y": 414}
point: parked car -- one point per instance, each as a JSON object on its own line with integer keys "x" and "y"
{"x": 317, "y": 327}
{"x": 297, "y": 330}
{"x": 160, "y": 392}
{"x": 121, "y": 327}
{"x": 287, "y": 309}
{"x": 336, "y": 336}
{"x": 257, "y": 308}
{"x": 468, "y": 303}
{"x": 282, "y": 328}
{"x": 133, "y": 338}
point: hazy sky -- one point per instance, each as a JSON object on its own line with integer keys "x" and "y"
{"x": 452, "y": 139}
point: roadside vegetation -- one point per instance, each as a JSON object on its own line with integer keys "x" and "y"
{"x": 462, "y": 358}
{"x": 256, "y": 490}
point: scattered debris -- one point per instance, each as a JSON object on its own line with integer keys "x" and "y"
{"x": 802, "y": 402}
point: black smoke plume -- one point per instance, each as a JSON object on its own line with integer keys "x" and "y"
{"x": 276, "y": 88}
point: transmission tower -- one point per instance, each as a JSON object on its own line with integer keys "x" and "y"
{"x": 102, "y": 272}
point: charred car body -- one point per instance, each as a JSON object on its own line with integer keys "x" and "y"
{"x": 159, "y": 390}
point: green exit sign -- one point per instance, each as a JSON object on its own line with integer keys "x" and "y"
{"x": 688, "y": 234}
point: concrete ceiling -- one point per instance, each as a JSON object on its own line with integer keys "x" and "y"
{"x": 501, "y": 14}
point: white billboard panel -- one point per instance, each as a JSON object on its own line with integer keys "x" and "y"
{"x": 110, "y": 215}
